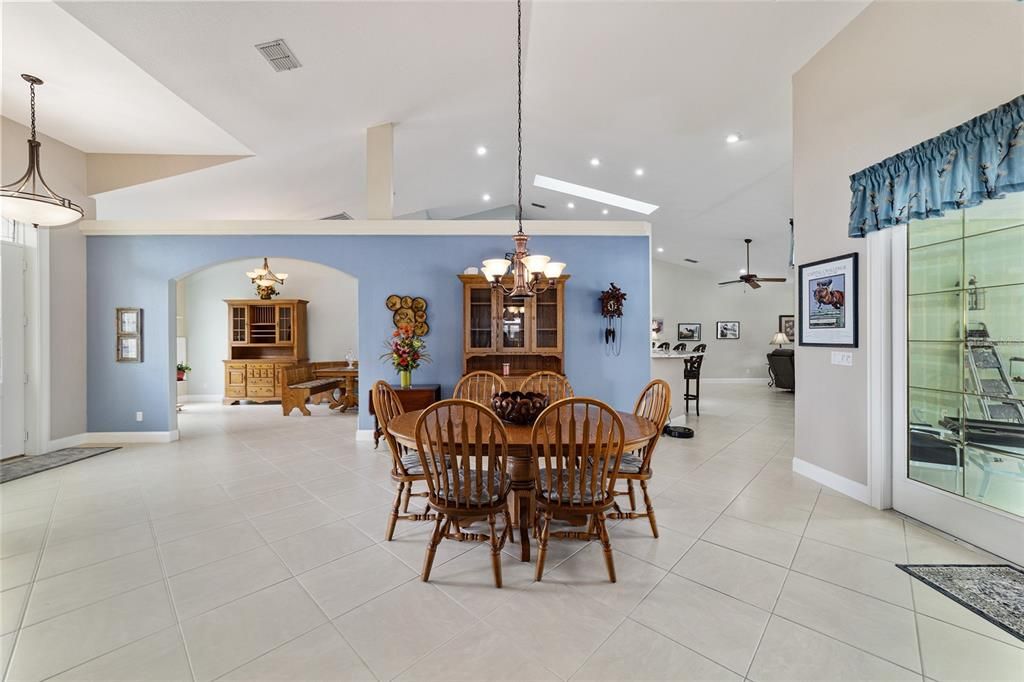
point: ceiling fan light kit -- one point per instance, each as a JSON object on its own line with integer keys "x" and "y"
{"x": 749, "y": 278}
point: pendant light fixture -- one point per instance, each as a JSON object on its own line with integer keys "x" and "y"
{"x": 265, "y": 279}
{"x": 29, "y": 199}
{"x": 531, "y": 274}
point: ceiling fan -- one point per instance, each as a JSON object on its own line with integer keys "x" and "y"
{"x": 749, "y": 278}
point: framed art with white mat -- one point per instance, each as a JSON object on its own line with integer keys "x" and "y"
{"x": 828, "y": 302}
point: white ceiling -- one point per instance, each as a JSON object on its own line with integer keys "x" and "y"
{"x": 656, "y": 85}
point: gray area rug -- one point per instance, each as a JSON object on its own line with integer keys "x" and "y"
{"x": 996, "y": 593}
{"x": 26, "y": 466}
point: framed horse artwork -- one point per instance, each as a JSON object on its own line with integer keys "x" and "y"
{"x": 828, "y": 302}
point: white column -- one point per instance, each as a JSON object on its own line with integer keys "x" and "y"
{"x": 380, "y": 160}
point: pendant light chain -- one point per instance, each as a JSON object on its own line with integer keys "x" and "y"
{"x": 519, "y": 112}
{"x": 32, "y": 106}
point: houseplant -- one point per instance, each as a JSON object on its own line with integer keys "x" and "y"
{"x": 405, "y": 353}
{"x": 182, "y": 369}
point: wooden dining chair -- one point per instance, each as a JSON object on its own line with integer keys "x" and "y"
{"x": 552, "y": 384}
{"x": 463, "y": 449}
{"x": 406, "y": 468}
{"x": 654, "y": 404}
{"x": 479, "y": 386}
{"x": 577, "y": 449}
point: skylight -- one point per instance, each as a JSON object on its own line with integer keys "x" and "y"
{"x": 597, "y": 195}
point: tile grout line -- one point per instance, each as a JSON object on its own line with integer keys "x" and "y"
{"x": 32, "y": 583}
{"x": 913, "y": 603}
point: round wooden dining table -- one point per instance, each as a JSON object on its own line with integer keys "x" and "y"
{"x": 637, "y": 432}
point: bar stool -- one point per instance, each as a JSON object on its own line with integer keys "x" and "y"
{"x": 691, "y": 372}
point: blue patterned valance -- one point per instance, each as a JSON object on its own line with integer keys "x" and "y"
{"x": 978, "y": 160}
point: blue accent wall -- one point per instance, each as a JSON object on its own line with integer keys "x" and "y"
{"x": 140, "y": 271}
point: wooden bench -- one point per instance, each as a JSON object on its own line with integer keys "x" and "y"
{"x": 300, "y": 382}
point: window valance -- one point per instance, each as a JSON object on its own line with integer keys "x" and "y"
{"x": 977, "y": 160}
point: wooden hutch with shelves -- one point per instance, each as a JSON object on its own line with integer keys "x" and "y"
{"x": 527, "y": 333}
{"x": 263, "y": 337}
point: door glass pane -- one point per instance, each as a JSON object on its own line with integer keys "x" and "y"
{"x": 995, "y": 258}
{"x": 936, "y": 365}
{"x": 935, "y": 317}
{"x": 933, "y": 446}
{"x": 936, "y": 268}
{"x": 480, "y": 329}
{"x": 995, "y": 476}
{"x": 547, "y": 318}
{"x": 935, "y": 230}
{"x": 513, "y": 323}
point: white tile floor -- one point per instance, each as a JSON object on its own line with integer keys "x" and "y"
{"x": 252, "y": 550}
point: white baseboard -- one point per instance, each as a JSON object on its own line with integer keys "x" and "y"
{"x": 66, "y": 442}
{"x": 364, "y": 434}
{"x": 857, "y": 491}
{"x": 201, "y": 398}
{"x": 748, "y": 380}
{"x": 120, "y": 437}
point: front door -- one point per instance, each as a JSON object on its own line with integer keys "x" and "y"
{"x": 12, "y": 350}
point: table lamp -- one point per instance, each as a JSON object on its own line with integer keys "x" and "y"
{"x": 779, "y": 338}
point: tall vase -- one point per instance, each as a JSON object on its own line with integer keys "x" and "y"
{"x": 405, "y": 378}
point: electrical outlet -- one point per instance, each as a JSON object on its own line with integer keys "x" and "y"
{"x": 842, "y": 358}
{"x": 138, "y": 416}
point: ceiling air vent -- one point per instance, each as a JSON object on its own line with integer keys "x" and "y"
{"x": 691, "y": 260}
{"x": 538, "y": 205}
{"x": 279, "y": 55}
{"x": 338, "y": 216}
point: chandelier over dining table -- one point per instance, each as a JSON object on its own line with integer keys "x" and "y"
{"x": 531, "y": 273}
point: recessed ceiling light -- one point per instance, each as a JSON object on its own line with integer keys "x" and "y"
{"x": 571, "y": 205}
{"x": 638, "y": 172}
{"x": 661, "y": 250}
{"x": 604, "y": 211}
{"x": 732, "y": 138}
{"x": 486, "y": 197}
{"x": 597, "y": 195}
{"x": 595, "y": 161}
{"x": 481, "y": 151}
{"x": 742, "y": 271}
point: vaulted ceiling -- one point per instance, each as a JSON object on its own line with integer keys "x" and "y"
{"x": 651, "y": 85}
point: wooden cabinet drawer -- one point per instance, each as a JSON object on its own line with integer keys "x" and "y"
{"x": 235, "y": 391}
{"x": 260, "y": 381}
{"x": 261, "y": 391}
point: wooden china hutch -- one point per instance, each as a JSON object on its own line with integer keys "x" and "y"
{"x": 527, "y": 333}
{"x": 263, "y": 337}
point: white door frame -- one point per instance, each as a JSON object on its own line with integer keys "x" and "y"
{"x": 991, "y": 529}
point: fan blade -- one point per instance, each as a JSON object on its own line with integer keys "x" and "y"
{"x": 753, "y": 284}
{"x": 771, "y": 279}
{"x": 734, "y": 281}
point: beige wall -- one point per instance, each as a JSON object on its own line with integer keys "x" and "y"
{"x": 898, "y": 74}
{"x": 686, "y": 294}
{"x": 64, "y": 168}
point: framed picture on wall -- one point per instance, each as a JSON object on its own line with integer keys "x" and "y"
{"x": 727, "y": 330}
{"x": 688, "y": 331}
{"x": 787, "y": 325}
{"x": 828, "y": 302}
{"x": 128, "y": 334}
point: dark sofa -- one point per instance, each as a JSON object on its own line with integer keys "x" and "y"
{"x": 781, "y": 368}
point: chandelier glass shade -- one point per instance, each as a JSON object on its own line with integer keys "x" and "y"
{"x": 265, "y": 277}
{"x": 531, "y": 274}
{"x": 29, "y": 199}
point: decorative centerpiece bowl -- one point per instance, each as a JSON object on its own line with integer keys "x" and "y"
{"x": 519, "y": 408}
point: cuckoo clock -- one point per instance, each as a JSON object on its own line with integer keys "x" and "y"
{"x": 611, "y": 310}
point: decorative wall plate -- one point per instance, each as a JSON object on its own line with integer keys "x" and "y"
{"x": 407, "y": 301}
{"x": 421, "y": 316}
{"x": 404, "y": 316}
{"x": 394, "y": 302}
{"x": 419, "y": 304}
{"x": 421, "y": 329}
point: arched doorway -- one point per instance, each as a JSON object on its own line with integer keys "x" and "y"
{"x": 201, "y": 328}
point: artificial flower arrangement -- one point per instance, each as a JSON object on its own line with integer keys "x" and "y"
{"x": 405, "y": 352}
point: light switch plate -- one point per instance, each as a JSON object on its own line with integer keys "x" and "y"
{"x": 843, "y": 358}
